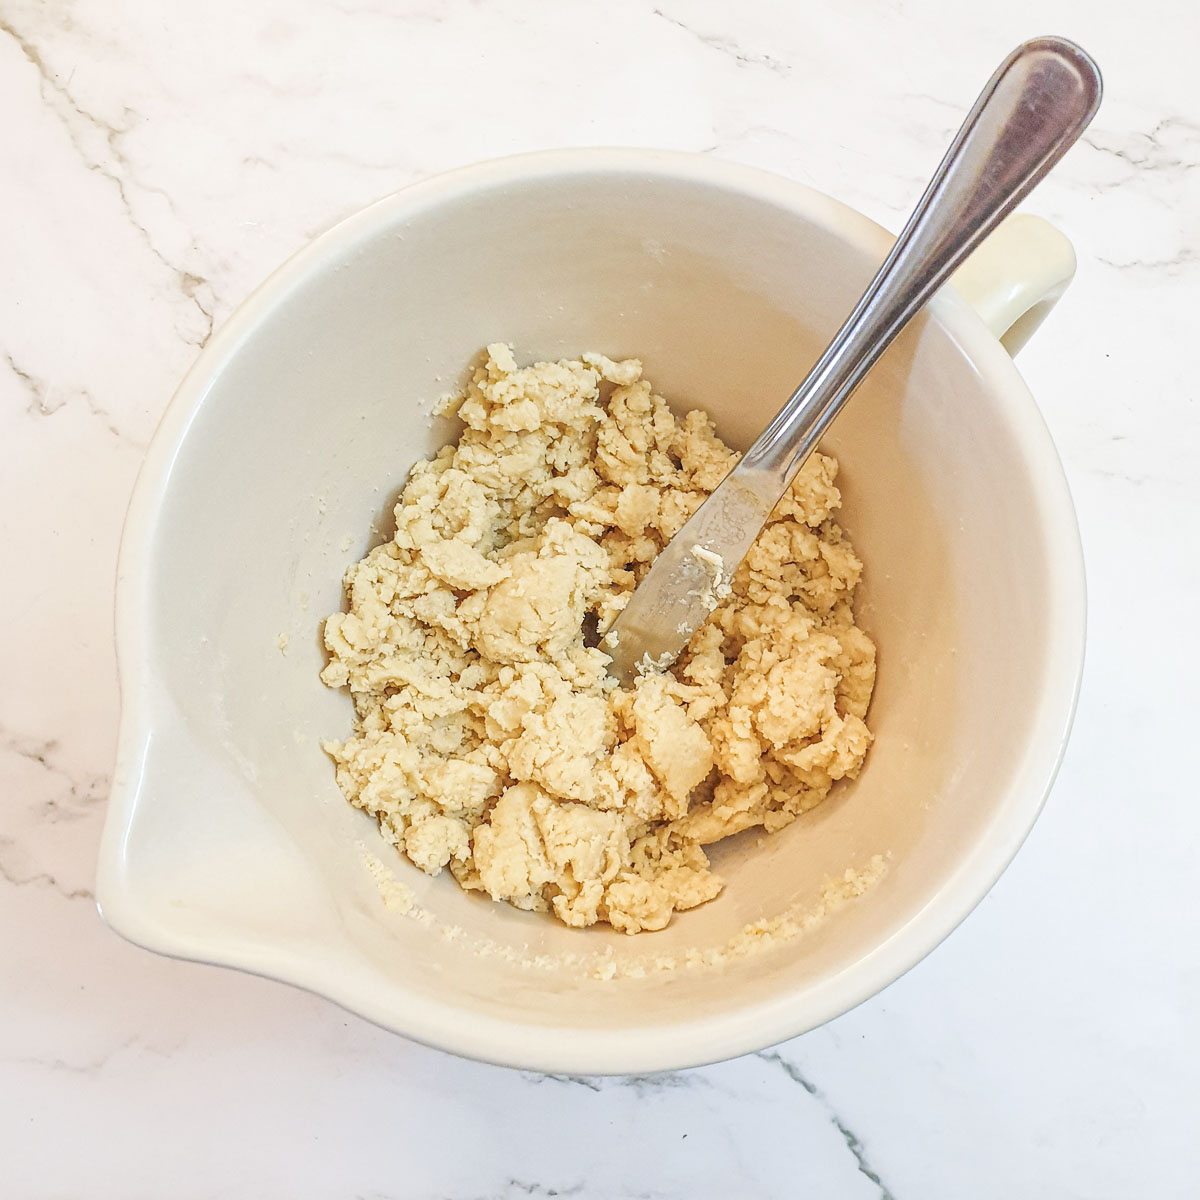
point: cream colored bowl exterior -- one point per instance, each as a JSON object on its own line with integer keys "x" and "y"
{"x": 227, "y": 840}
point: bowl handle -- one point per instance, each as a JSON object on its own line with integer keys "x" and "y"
{"x": 1016, "y": 276}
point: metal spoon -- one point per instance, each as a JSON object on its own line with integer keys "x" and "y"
{"x": 1032, "y": 110}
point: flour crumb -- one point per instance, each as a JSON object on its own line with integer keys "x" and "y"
{"x": 446, "y": 405}
{"x": 717, "y": 588}
{"x": 606, "y": 966}
{"x": 396, "y": 896}
{"x": 650, "y": 664}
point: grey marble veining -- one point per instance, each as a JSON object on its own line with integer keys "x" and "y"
{"x": 159, "y": 161}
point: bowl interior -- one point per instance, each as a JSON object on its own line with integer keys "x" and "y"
{"x": 305, "y": 419}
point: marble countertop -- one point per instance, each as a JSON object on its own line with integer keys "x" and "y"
{"x": 158, "y": 161}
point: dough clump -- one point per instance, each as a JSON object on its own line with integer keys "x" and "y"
{"x": 489, "y": 738}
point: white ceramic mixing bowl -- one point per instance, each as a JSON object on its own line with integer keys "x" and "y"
{"x": 227, "y": 840}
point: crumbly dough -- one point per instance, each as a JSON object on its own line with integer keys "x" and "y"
{"x": 489, "y": 737}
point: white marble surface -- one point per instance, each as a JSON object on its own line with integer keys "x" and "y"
{"x": 157, "y": 161}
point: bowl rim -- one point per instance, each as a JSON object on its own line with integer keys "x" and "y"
{"x": 742, "y": 1029}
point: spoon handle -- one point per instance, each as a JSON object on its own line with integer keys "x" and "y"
{"x": 1032, "y": 110}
